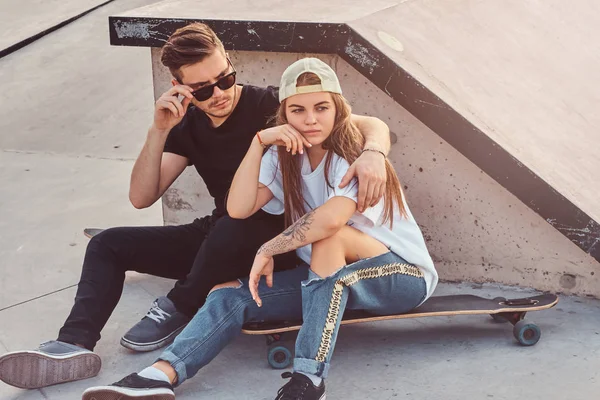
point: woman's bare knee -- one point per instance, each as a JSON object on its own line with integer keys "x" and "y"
{"x": 346, "y": 246}
{"x": 352, "y": 243}
{"x": 329, "y": 254}
{"x": 231, "y": 284}
{"x": 358, "y": 245}
{"x": 331, "y": 241}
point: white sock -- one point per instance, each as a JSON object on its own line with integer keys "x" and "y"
{"x": 154, "y": 373}
{"x": 316, "y": 380}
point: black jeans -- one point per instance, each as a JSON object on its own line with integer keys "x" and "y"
{"x": 199, "y": 255}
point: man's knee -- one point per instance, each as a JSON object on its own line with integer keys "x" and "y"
{"x": 104, "y": 240}
{"x": 107, "y": 245}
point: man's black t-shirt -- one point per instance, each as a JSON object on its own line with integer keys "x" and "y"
{"x": 217, "y": 152}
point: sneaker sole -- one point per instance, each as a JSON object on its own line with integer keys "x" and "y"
{"x": 119, "y": 393}
{"x": 34, "y": 369}
{"x": 143, "y": 347}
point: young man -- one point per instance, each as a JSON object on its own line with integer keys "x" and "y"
{"x": 211, "y": 128}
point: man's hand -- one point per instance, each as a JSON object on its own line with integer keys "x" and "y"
{"x": 263, "y": 265}
{"x": 168, "y": 110}
{"x": 285, "y": 135}
{"x": 369, "y": 168}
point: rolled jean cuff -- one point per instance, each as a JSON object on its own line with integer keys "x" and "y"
{"x": 312, "y": 367}
{"x": 177, "y": 364}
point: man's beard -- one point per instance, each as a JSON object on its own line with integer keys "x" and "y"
{"x": 224, "y": 112}
{"x": 219, "y": 113}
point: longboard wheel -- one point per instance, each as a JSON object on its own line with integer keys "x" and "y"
{"x": 279, "y": 357}
{"x": 527, "y": 333}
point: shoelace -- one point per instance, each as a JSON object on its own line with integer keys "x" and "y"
{"x": 157, "y": 314}
{"x": 293, "y": 390}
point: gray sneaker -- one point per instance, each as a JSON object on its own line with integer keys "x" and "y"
{"x": 132, "y": 387}
{"x": 52, "y": 363}
{"x": 157, "y": 329}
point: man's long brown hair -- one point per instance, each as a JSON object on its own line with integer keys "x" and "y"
{"x": 347, "y": 142}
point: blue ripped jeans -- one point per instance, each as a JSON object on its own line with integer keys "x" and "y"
{"x": 226, "y": 310}
{"x": 385, "y": 284}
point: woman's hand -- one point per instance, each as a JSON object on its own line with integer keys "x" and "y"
{"x": 286, "y": 136}
{"x": 263, "y": 265}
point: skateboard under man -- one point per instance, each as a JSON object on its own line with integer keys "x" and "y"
{"x": 527, "y": 333}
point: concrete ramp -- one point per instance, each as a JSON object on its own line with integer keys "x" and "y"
{"x": 524, "y": 74}
{"x": 489, "y": 102}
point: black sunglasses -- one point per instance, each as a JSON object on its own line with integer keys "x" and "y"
{"x": 224, "y": 83}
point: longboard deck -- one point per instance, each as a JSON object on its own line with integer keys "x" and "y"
{"x": 91, "y": 232}
{"x": 435, "y": 306}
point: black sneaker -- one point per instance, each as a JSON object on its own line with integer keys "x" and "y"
{"x": 157, "y": 329}
{"x": 300, "y": 387}
{"x": 52, "y": 363}
{"x": 131, "y": 387}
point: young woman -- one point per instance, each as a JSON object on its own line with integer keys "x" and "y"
{"x": 376, "y": 260}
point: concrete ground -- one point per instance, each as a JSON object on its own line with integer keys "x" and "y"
{"x": 30, "y": 17}
{"x": 73, "y": 117}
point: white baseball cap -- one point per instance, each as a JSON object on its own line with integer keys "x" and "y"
{"x": 329, "y": 80}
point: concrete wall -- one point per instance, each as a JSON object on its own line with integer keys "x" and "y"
{"x": 475, "y": 229}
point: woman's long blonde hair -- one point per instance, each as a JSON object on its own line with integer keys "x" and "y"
{"x": 347, "y": 142}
